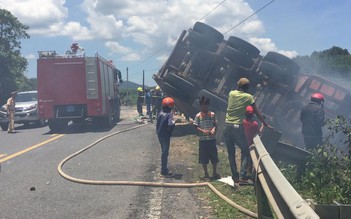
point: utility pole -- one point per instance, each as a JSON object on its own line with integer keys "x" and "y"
{"x": 127, "y": 98}
{"x": 143, "y": 81}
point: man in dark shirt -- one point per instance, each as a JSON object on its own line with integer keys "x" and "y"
{"x": 312, "y": 118}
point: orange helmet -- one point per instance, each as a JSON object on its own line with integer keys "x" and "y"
{"x": 317, "y": 97}
{"x": 168, "y": 102}
{"x": 249, "y": 110}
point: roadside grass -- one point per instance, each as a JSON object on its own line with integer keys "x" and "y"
{"x": 243, "y": 195}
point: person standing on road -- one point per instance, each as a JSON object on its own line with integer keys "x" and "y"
{"x": 313, "y": 119}
{"x": 156, "y": 103}
{"x": 164, "y": 128}
{"x": 233, "y": 132}
{"x": 205, "y": 123}
{"x": 148, "y": 101}
{"x": 10, "y": 105}
{"x": 251, "y": 129}
{"x": 140, "y": 101}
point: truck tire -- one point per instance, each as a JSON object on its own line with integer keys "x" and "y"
{"x": 208, "y": 31}
{"x": 243, "y": 46}
{"x": 282, "y": 61}
{"x": 237, "y": 57}
{"x": 277, "y": 74}
{"x": 56, "y": 125}
{"x": 181, "y": 84}
{"x": 199, "y": 41}
{"x": 4, "y": 126}
{"x": 216, "y": 103}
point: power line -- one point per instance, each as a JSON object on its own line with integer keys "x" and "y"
{"x": 249, "y": 16}
{"x": 158, "y": 51}
{"x": 211, "y": 11}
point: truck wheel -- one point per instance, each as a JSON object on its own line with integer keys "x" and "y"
{"x": 243, "y": 46}
{"x": 216, "y": 103}
{"x": 181, "y": 84}
{"x": 237, "y": 57}
{"x": 201, "y": 42}
{"x": 277, "y": 74}
{"x": 282, "y": 61}
{"x": 4, "y": 126}
{"x": 56, "y": 125}
{"x": 208, "y": 31}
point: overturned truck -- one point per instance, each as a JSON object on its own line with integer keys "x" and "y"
{"x": 203, "y": 63}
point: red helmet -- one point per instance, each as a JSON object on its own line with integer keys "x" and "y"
{"x": 168, "y": 102}
{"x": 317, "y": 97}
{"x": 249, "y": 110}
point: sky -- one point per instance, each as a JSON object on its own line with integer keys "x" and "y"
{"x": 140, "y": 34}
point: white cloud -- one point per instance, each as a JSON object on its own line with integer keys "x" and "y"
{"x": 290, "y": 54}
{"x": 77, "y": 32}
{"x": 114, "y": 47}
{"x": 144, "y": 26}
{"x": 30, "y": 56}
{"x": 37, "y": 13}
{"x": 131, "y": 57}
{"x": 265, "y": 45}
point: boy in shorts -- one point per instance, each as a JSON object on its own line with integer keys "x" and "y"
{"x": 205, "y": 123}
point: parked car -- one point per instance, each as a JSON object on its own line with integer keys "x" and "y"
{"x": 26, "y": 110}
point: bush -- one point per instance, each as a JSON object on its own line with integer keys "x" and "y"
{"x": 328, "y": 176}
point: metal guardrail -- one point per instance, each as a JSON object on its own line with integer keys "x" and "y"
{"x": 284, "y": 200}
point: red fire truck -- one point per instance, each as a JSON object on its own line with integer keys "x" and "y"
{"x": 74, "y": 87}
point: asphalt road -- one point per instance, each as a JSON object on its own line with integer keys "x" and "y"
{"x": 31, "y": 187}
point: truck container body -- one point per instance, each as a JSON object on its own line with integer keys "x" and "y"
{"x": 203, "y": 63}
{"x": 74, "y": 88}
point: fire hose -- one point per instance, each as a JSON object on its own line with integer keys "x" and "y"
{"x": 140, "y": 183}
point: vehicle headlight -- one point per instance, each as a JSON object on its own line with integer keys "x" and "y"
{"x": 30, "y": 107}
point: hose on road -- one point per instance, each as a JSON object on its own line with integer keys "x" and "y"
{"x": 140, "y": 183}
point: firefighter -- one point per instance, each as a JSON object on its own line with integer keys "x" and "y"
{"x": 156, "y": 103}
{"x": 233, "y": 132}
{"x": 164, "y": 129}
{"x": 140, "y": 101}
{"x": 148, "y": 101}
{"x": 10, "y": 105}
{"x": 313, "y": 119}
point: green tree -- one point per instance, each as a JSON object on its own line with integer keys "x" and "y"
{"x": 333, "y": 61}
{"x": 12, "y": 63}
